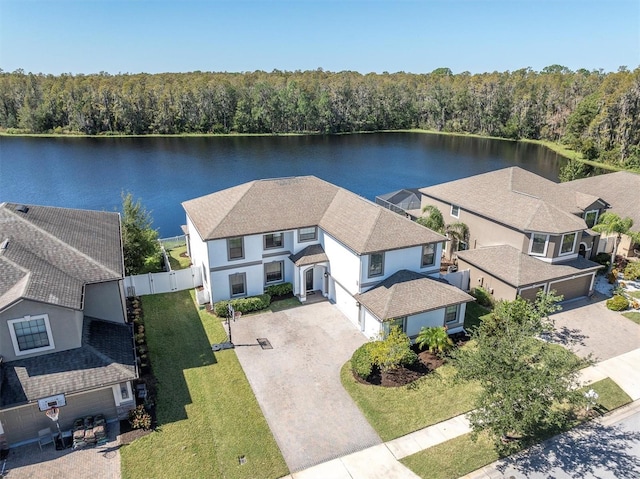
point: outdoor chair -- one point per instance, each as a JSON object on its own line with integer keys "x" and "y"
{"x": 45, "y": 437}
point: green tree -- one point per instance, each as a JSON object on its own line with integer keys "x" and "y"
{"x": 529, "y": 386}
{"x": 612, "y": 224}
{"x": 432, "y": 219}
{"x": 393, "y": 351}
{"x": 458, "y": 233}
{"x": 436, "y": 339}
{"x": 139, "y": 240}
{"x": 573, "y": 170}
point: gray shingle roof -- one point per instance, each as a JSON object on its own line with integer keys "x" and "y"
{"x": 406, "y": 293}
{"x": 621, "y": 190}
{"x": 312, "y": 254}
{"x": 53, "y": 252}
{"x": 105, "y": 358}
{"x": 281, "y": 204}
{"x": 518, "y": 269}
{"x": 517, "y": 198}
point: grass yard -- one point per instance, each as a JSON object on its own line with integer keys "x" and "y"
{"x": 460, "y": 456}
{"x": 633, "y": 316}
{"x": 473, "y": 315}
{"x": 394, "y": 412}
{"x": 634, "y": 294}
{"x": 177, "y": 261}
{"x": 207, "y": 413}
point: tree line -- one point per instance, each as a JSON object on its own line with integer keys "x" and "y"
{"x": 592, "y": 112}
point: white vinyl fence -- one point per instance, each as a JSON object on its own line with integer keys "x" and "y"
{"x": 460, "y": 279}
{"x": 166, "y": 282}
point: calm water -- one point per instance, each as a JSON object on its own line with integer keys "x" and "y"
{"x": 91, "y": 173}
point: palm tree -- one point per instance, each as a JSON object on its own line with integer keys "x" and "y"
{"x": 610, "y": 224}
{"x": 433, "y": 219}
{"x": 457, "y": 233}
{"x": 435, "y": 339}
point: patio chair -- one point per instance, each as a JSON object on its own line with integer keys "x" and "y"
{"x": 45, "y": 436}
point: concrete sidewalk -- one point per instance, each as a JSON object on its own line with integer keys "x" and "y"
{"x": 382, "y": 461}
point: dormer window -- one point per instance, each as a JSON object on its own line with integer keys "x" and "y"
{"x": 591, "y": 218}
{"x": 568, "y": 243}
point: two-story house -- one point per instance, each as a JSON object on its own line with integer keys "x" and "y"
{"x": 376, "y": 266}
{"x": 64, "y": 340}
{"x": 526, "y": 233}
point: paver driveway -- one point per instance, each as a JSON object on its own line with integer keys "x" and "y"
{"x": 297, "y": 383}
{"x": 595, "y": 330}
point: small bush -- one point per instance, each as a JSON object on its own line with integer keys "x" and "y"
{"x": 393, "y": 352}
{"x": 244, "y": 305}
{"x": 139, "y": 418}
{"x": 361, "y": 361}
{"x": 632, "y": 271}
{"x": 279, "y": 289}
{"x": 613, "y": 276}
{"x": 483, "y": 298}
{"x": 603, "y": 258}
{"x": 618, "y": 303}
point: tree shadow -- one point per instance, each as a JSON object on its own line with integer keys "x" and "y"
{"x": 566, "y": 336}
{"x": 585, "y": 452}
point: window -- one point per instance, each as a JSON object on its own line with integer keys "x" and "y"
{"x": 591, "y": 218}
{"x": 273, "y": 272}
{"x": 400, "y": 323}
{"x": 451, "y": 314}
{"x": 428, "y": 255}
{"x": 455, "y": 211}
{"x": 538, "y": 245}
{"x": 273, "y": 240}
{"x": 568, "y": 243}
{"x": 237, "y": 284}
{"x": 235, "y": 247}
{"x": 31, "y": 334}
{"x": 376, "y": 264}
{"x": 307, "y": 234}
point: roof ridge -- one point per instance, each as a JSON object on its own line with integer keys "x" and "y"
{"x": 67, "y": 245}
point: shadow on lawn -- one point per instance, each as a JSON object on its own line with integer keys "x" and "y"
{"x": 584, "y": 452}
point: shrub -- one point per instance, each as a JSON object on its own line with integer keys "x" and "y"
{"x": 279, "y": 289}
{"x": 603, "y": 258}
{"x": 244, "y": 305}
{"x": 393, "y": 352}
{"x": 483, "y": 298}
{"x": 632, "y": 271}
{"x": 139, "y": 418}
{"x": 435, "y": 339}
{"x": 361, "y": 361}
{"x": 613, "y": 276}
{"x": 618, "y": 303}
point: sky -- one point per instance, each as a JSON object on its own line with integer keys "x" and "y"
{"x": 416, "y": 36}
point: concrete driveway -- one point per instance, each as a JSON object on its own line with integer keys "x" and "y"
{"x": 586, "y": 326}
{"x": 297, "y": 383}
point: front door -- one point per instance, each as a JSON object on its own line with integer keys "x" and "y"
{"x": 308, "y": 279}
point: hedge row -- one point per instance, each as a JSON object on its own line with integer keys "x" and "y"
{"x": 281, "y": 289}
{"x": 244, "y": 305}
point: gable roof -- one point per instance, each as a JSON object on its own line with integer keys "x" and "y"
{"x": 106, "y": 357}
{"x": 281, "y": 204}
{"x": 50, "y": 253}
{"x": 407, "y": 293}
{"x": 620, "y": 189}
{"x": 517, "y": 269}
{"x": 312, "y": 254}
{"x": 534, "y": 203}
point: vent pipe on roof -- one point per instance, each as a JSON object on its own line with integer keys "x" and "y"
{"x": 3, "y": 245}
{"x": 22, "y": 208}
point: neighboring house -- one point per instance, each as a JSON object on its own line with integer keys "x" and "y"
{"x": 622, "y": 191}
{"x": 526, "y": 233}
{"x": 63, "y": 333}
{"x": 324, "y": 240}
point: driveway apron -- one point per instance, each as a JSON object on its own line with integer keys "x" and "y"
{"x": 297, "y": 383}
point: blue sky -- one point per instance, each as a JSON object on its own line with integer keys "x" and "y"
{"x": 130, "y": 36}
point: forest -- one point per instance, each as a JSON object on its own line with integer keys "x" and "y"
{"x": 594, "y": 113}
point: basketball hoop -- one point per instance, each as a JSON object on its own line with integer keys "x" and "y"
{"x": 52, "y": 413}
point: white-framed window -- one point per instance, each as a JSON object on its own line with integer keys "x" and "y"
{"x": 428, "y": 255}
{"x": 273, "y": 240}
{"x": 538, "y": 244}
{"x": 235, "y": 248}
{"x": 122, "y": 393}
{"x": 455, "y": 211}
{"x": 307, "y": 234}
{"x": 568, "y": 244}
{"x": 273, "y": 272}
{"x": 451, "y": 314}
{"x": 400, "y": 323}
{"x": 376, "y": 264}
{"x": 238, "y": 284}
{"x": 591, "y": 218}
{"x": 31, "y": 334}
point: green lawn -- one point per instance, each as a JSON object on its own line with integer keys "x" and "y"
{"x": 634, "y": 294}
{"x": 460, "y": 456}
{"x": 207, "y": 413}
{"x": 394, "y": 412}
{"x": 177, "y": 261}
{"x": 633, "y": 316}
{"x": 473, "y": 315}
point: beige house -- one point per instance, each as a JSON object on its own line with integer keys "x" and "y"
{"x": 526, "y": 233}
{"x": 64, "y": 340}
{"x": 622, "y": 191}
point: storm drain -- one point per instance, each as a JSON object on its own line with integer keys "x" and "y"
{"x": 264, "y": 343}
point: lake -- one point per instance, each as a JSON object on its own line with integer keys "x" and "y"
{"x": 92, "y": 173}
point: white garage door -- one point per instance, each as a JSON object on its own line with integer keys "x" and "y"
{"x": 346, "y": 304}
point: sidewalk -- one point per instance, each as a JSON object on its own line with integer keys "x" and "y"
{"x": 382, "y": 461}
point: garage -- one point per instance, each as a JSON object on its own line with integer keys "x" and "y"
{"x": 530, "y": 293}
{"x": 345, "y": 303}
{"x": 572, "y": 288}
